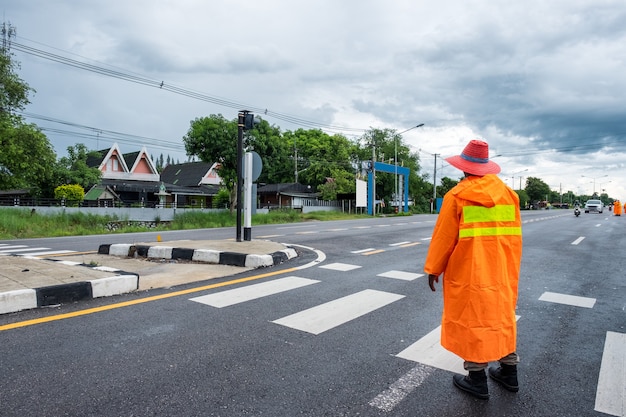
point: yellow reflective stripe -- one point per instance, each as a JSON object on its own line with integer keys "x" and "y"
{"x": 475, "y": 214}
{"x": 490, "y": 231}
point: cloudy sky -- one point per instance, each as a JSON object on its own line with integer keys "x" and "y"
{"x": 543, "y": 82}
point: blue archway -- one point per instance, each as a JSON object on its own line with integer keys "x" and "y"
{"x": 392, "y": 169}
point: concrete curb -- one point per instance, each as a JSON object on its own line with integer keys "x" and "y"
{"x": 198, "y": 255}
{"x": 120, "y": 283}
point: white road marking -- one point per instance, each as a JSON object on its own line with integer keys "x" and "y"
{"x": 252, "y": 292}
{"x": 572, "y": 300}
{"x": 326, "y": 316}
{"x": 611, "y": 391}
{"x": 406, "y": 276}
{"x": 338, "y": 266}
{"x": 50, "y": 252}
{"x": 388, "y": 399}
{"x": 8, "y": 247}
{"x": 363, "y": 250}
{"x": 577, "y": 241}
{"x": 25, "y": 249}
{"x": 399, "y": 243}
{"x": 428, "y": 351}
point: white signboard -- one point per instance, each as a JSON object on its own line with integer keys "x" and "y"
{"x": 361, "y": 193}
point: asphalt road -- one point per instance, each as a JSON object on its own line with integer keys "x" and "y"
{"x": 346, "y": 330}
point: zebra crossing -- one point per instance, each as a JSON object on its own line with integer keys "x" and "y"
{"x": 427, "y": 352}
{"x": 25, "y": 250}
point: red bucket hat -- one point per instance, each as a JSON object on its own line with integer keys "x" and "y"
{"x": 475, "y": 159}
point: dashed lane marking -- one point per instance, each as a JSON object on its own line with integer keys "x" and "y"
{"x": 577, "y": 241}
{"x": 363, "y": 250}
{"x": 374, "y": 252}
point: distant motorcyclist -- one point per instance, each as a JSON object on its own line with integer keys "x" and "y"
{"x": 617, "y": 208}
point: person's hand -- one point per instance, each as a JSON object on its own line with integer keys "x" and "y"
{"x": 431, "y": 281}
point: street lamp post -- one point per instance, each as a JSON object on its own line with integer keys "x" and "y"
{"x": 396, "y": 163}
{"x": 594, "y": 181}
{"x": 520, "y": 178}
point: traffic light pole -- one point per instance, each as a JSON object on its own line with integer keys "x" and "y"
{"x": 240, "y": 125}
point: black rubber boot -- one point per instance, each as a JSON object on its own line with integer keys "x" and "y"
{"x": 505, "y": 375}
{"x": 475, "y": 383}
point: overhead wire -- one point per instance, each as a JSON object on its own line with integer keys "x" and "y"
{"x": 161, "y": 84}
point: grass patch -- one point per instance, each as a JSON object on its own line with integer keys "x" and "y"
{"x": 23, "y": 224}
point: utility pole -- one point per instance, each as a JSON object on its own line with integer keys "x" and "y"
{"x": 434, "y": 185}
{"x": 373, "y": 176}
{"x": 8, "y": 32}
{"x": 295, "y": 158}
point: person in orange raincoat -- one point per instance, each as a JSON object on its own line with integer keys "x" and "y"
{"x": 617, "y": 208}
{"x": 477, "y": 245}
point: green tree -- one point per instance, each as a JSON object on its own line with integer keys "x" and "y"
{"x": 446, "y": 185}
{"x": 322, "y": 156}
{"x": 523, "y": 198}
{"x": 387, "y": 143}
{"x": 73, "y": 169}
{"x": 13, "y": 90}
{"x": 73, "y": 193}
{"x": 214, "y": 139}
{"x": 27, "y": 159}
{"x": 536, "y": 189}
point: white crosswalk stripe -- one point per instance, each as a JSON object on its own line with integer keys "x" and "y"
{"x": 252, "y": 292}
{"x": 428, "y": 351}
{"x": 405, "y": 276}
{"x": 326, "y": 316}
{"x": 338, "y": 266}
{"x": 572, "y": 300}
{"x": 25, "y": 250}
{"x": 611, "y": 390}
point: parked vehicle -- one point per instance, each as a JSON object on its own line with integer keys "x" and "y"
{"x": 593, "y": 206}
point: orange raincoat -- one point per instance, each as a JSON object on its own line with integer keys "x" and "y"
{"x": 477, "y": 245}
{"x": 617, "y": 208}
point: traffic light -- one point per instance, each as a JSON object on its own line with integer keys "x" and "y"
{"x": 250, "y": 121}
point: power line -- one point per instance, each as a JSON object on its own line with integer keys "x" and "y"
{"x": 160, "y": 84}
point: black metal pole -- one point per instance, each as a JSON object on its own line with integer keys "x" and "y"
{"x": 240, "y": 125}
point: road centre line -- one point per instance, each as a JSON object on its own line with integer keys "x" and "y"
{"x": 577, "y": 241}
{"x": 410, "y": 244}
{"x": 399, "y": 243}
{"x": 100, "y": 309}
{"x": 374, "y": 252}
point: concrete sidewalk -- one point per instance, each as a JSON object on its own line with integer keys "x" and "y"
{"x": 29, "y": 282}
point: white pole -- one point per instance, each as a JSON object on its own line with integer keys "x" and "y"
{"x": 247, "y": 208}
